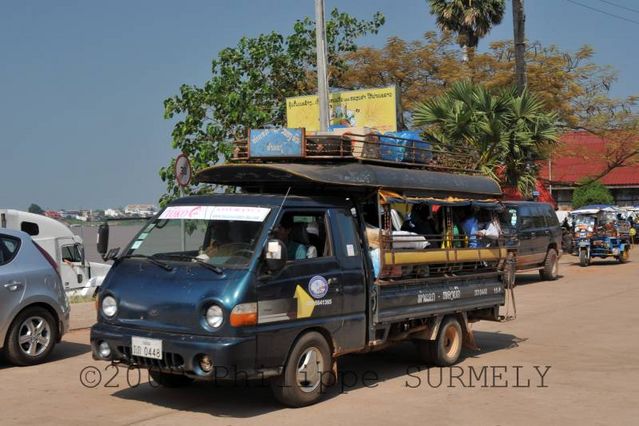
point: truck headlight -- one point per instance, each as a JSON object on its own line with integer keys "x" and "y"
{"x": 214, "y": 316}
{"x": 109, "y": 306}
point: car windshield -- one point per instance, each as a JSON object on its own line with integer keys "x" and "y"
{"x": 583, "y": 220}
{"x": 223, "y": 236}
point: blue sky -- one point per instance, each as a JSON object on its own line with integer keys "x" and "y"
{"x": 82, "y": 82}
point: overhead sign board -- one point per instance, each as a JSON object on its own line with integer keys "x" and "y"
{"x": 374, "y": 108}
{"x": 276, "y": 142}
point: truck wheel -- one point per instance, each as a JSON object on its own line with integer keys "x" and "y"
{"x": 306, "y": 372}
{"x": 170, "y": 380}
{"x": 32, "y": 336}
{"x": 551, "y": 266}
{"x": 445, "y": 350}
{"x": 583, "y": 258}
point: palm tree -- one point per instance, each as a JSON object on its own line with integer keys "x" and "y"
{"x": 501, "y": 133}
{"x": 469, "y": 19}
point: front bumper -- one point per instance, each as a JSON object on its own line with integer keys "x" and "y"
{"x": 232, "y": 356}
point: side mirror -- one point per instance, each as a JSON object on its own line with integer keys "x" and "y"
{"x": 103, "y": 239}
{"x": 275, "y": 255}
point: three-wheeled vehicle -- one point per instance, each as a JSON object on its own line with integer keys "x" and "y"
{"x": 600, "y": 232}
{"x": 302, "y": 267}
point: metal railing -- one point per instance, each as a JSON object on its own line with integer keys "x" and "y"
{"x": 371, "y": 147}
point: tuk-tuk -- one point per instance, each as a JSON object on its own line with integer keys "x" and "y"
{"x": 600, "y": 232}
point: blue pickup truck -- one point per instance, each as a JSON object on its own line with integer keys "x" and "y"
{"x": 281, "y": 280}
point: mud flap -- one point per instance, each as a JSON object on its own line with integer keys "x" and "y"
{"x": 468, "y": 338}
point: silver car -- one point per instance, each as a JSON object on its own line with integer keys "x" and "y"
{"x": 34, "y": 309}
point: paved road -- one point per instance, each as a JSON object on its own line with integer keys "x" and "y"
{"x": 580, "y": 333}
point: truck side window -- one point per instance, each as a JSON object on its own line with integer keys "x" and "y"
{"x": 305, "y": 234}
{"x": 30, "y": 228}
{"x": 551, "y": 217}
{"x": 71, "y": 253}
{"x": 539, "y": 217}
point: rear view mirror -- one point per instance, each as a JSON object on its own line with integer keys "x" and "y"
{"x": 275, "y": 255}
{"x": 103, "y": 239}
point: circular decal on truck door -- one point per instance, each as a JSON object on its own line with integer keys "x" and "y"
{"x": 318, "y": 286}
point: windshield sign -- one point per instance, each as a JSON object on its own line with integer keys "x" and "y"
{"x": 223, "y": 236}
{"x": 244, "y": 213}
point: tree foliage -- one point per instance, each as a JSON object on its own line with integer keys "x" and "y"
{"x": 501, "y": 132}
{"x": 34, "y": 208}
{"x": 248, "y": 87}
{"x": 591, "y": 192}
{"x": 470, "y": 20}
{"x": 568, "y": 82}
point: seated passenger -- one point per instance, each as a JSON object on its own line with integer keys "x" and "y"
{"x": 294, "y": 249}
{"x": 470, "y": 228}
{"x": 491, "y": 231}
{"x": 420, "y": 221}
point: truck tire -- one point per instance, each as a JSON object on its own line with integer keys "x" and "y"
{"x": 550, "y": 272}
{"x": 445, "y": 350}
{"x": 31, "y": 337}
{"x": 583, "y": 258}
{"x": 306, "y": 373}
{"x": 170, "y": 380}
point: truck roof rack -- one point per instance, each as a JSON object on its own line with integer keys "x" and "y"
{"x": 372, "y": 148}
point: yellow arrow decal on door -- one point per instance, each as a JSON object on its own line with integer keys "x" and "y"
{"x": 305, "y": 303}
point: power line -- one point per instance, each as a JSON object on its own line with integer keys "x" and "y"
{"x": 620, "y": 6}
{"x": 604, "y": 12}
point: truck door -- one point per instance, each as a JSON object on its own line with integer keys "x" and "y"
{"x": 541, "y": 234}
{"x": 527, "y": 236}
{"x": 348, "y": 248}
{"x": 307, "y": 292}
{"x": 309, "y": 286}
{"x": 72, "y": 268}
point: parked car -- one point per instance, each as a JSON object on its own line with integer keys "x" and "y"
{"x": 537, "y": 228}
{"x": 34, "y": 309}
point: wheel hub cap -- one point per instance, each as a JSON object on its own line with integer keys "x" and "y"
{"x": 34, "y": 336}
{"x": 310, "y": 367}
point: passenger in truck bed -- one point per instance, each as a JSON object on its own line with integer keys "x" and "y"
{"x": 490, "y": 229}
{"x": 420, "y": 221}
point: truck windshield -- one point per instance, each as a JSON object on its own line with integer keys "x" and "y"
{"x": 223, "y": 236}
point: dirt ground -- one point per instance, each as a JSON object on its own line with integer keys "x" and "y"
{"x": 570, "y": 357}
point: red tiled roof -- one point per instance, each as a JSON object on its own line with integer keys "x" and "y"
{"x": 581, "y": 155}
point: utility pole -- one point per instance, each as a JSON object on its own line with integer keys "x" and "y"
{"x": 322, "y": 74}
{"x": 519, "y": 20}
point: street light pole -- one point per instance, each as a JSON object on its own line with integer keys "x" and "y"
{"x": 322, "y": 75}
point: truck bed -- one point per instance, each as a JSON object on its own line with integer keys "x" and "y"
{"x": 404, "y": 300}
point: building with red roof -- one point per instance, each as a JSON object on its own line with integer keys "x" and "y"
{"x": 582, "y": 155}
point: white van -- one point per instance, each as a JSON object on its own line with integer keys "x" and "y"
{"x": 79, "y": 276}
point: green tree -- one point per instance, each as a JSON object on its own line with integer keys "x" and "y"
{"x": 248, "y": 87}
{"x": 34, "y": 208}
{"x": 591, "y": 192}
{"x": 501, "y": 133}
{"x": 469, "y": 19}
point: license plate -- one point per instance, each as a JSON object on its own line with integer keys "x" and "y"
{"x": 615, "y": 251}
{"x": 145, "y": 347}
